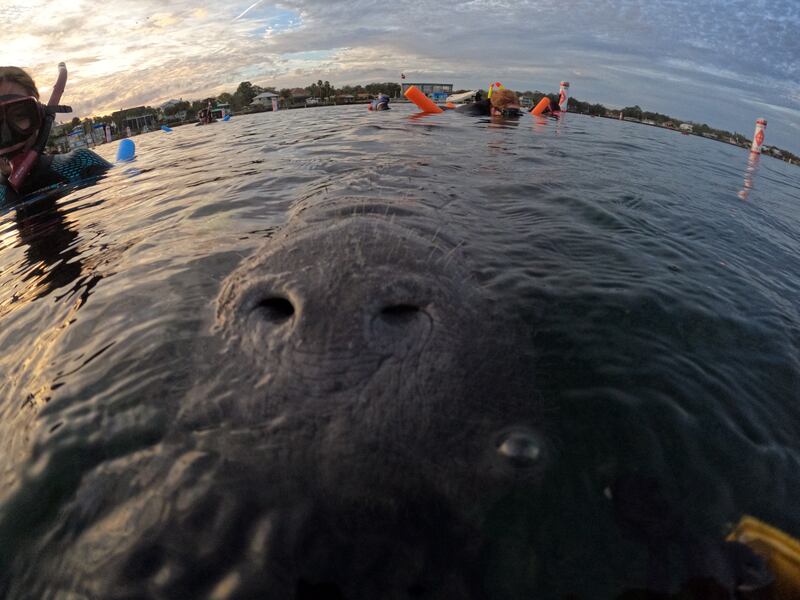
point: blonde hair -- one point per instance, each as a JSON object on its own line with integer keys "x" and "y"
{"x": 503, "y": 98}
{"x": 20, "y": 77}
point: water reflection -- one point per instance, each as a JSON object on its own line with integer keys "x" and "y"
{"x": 749, "y": 174}
{"x": 52, "y": 255}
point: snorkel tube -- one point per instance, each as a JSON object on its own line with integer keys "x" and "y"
{"x": 22, "y": 164}
{"x": 492, "y": 87}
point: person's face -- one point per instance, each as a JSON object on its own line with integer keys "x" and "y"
{"x": 510, "y": 110}
{"x": 11, "y": 88}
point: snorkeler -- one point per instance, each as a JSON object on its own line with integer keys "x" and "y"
{"x": 25, "y": 125}
{"x": 499, "y": 103}
{"x": 380, "y": 103}
{"x": 546, "y": 107}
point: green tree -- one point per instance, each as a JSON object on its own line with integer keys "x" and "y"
{"x": 177, "y": 107}
{"x": 286, "y": 96}
{"x": 597, "y": 110}
{"x": 632, "y": 112}
{"x": 244, "y": 94}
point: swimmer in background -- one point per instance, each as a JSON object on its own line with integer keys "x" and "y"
{"x": 380, "y": 103}
{"x": 24, "y": 127}
{"x": 552, "y": 108}
{"x": 501, "y": 103}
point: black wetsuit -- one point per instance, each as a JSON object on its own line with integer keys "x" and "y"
{"x": 54, "y": 170}
{"x": 481, "y": 108}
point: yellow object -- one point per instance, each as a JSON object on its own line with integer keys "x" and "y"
{"x": 779, "y": 549}
{"x": 493, "y": 86}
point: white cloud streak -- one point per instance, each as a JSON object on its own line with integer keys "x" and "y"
{"x": 248, "y": 9}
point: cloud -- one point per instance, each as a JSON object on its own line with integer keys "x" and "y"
{"x": 248, "y": 9}
{"x": 712, "y": 53}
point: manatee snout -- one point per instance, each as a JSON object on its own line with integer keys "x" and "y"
{"x": 340, "y": 302}
{"x": 366, "y": 321}
{"x": 312, "y": 311}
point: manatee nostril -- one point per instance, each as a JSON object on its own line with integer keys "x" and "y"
{"x": 399, "y": 313}
{"x": 275, "y": 309}
{"x": 520, "y": 448}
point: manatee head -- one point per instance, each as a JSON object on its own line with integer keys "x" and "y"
{"x": 366, "y": 409}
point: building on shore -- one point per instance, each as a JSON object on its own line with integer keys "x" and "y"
{"x": 138, "y": 119}
{"x": 264, "y": 99}
{"x": 220, "y": 111}
{"x": 431, "y": 90}
{"x": 299, "y": 95}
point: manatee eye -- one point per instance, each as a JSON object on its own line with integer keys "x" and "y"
{"x": 275, "y": 310}
{"x": 399, "y": 314}
{"x": 521, "y": 449}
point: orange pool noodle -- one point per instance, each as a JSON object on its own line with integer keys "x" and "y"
{"x": 543, "y": 105}
{"x": 424, "y": 103}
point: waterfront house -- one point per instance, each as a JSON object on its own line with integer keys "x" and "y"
{"x": 299, "y": 95}
{"x": 429, "y": 89}
{"x": 264, "y": 99}
{"x": 137, "y": 119}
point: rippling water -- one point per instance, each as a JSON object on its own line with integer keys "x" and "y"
{"x": 658, "y": 276}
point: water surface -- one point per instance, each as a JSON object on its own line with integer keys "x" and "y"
{"x": 658, "y": 276}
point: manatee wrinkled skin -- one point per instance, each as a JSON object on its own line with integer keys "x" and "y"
{"x": 368, "y": 410}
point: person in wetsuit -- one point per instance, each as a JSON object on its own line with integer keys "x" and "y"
{"x": 501, "y": 103}
{"x": 380, "y": 103}
{"x": 24, "y": 127}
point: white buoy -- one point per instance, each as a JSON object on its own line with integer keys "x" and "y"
{"x": 758, "y": 137}
{"x": 563, "y": 96}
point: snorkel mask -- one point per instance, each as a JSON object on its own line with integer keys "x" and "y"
{"x": 510, "y": 113}
{"x": 20, "y": 117}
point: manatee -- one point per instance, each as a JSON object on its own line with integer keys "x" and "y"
{"x": 356, "y": 415}
{"x": 369, "y": 408}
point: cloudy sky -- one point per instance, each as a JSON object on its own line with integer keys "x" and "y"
{"x": 723, "y": 62}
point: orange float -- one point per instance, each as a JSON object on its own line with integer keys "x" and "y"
{"x": 543, "y": 105}
{"x": 424, "y": 103}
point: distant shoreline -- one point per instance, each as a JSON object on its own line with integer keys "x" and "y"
{"x": 792, "y": 160}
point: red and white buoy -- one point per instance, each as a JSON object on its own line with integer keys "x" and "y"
{"x": 758, "y": 136}
{"x": 563, "y": 96}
